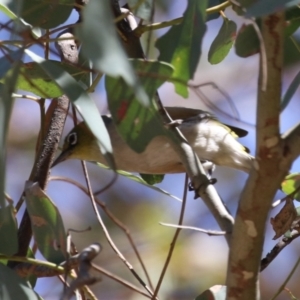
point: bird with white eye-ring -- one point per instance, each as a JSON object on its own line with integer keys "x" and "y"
{"x": 211, "y": 140}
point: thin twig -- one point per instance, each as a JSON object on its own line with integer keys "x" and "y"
{"x": 113, "y": 218}
{"x": 263, "y": 57}
{"x": 107, "y": 235}
{"x": 208, "y": 232}
{"x": 287, "y": 279}
{"x": 285, "y": 241}
{"x": 172, "y": 246}
{"x": 120, "y": 280}
{"x": 29, "y": 97}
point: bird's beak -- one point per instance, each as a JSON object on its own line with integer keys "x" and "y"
{"x": 63, "y": 156}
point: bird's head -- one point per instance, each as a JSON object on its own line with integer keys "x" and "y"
{"x": 80, "y": 143}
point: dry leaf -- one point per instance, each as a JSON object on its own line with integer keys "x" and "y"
{"x": 284, "y": 219}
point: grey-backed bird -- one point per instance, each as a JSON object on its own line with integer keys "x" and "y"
{"x": 211, "y": 140}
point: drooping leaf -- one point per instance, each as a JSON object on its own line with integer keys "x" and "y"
{"x": 106, "y": 52}
{"x": 141, "y": 9}
{"x": 284, "y": 219}
{"x": 30, "y": 277}
{"x": 268, "y": 7}
{"x": 8, "y": 231}
{"x": 216, "y": 292}
{"x": 6, "y": 103}
{"x": 83, "y": 102}
{"x": 13, "y": 287}
{"x": 136, "y": 123}
{"x": 290, "y": 184}
{"x": 223, "y": 42}
{"x": 46, "y": 14}
{"x": 47, "y": 224}
{"x": 141, "y": 181}
{"x": 290, "y": 92}
{"x": 247, "y": 42}
{"x": 35, "y": 80}
{"x": 152, "y": 179}
{"x": 186, "y": 39}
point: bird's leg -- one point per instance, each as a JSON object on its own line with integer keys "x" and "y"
{"x": 209, "y": 167}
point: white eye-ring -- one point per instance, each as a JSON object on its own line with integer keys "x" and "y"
{"x": 72, "y": 138}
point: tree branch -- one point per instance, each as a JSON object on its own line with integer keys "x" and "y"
{"x": 270, "y": 168}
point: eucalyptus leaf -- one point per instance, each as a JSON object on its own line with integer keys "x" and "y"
{"x": 152, "y": 179}
{"x": 223, "y": 42}
{"x": 181, "y": 45}
{"x": 14, "y": 287}
{"x": 137, "y": 124}
{"x": 46, "y": 14}
{"x": 47, "y": 225}
{"x": 6, "y": 104}
{"x": 268, "y": 7}
{"x": 101, "y": 45}
{"x": 290, "y": 92}
{"x": 83, "y": 102}
{"x": 140, "y": 180}
{"x": 247, "y": 42}
{"x": 32, "y": 78}
{"x": 290, "y": 184}
{"x": 212, "y": 3}
{"x": 8, "y": 231}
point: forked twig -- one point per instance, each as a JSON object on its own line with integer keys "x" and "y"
{"x": 112, "y": 217}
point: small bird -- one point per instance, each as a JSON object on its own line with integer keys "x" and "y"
{"x": 211, "y": 140}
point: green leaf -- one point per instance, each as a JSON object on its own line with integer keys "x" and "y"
{"x": 292, "y": 17}
{"x": 212, "y": 3}
{"x": 268, "y": 7}
{"x": 83, "y": 102}
{"x": 136, "y": 123}
{"x": 153, "y": 179}
{"x": 13, "y": 287}
{"x": 223, "y": 42}
{"x": 32, "y": 279}
{"x": 46, "y": 14}
{"x": 181, "y": 45}
{"x": 4, "y": 7}
{"x": 35, "y": 80}
{"x": 247, "y": 42}
{"x": 106, "y": 51}
{"x": 47, "y": 225}
{"x": 141, "y": 181}
{"x": 216, "y": 292}
{"x": 19, "y": 24}
{"x": 6, "y": 103}
{"x": 141, "y": 8}
{"x": 290, "y": 184}
{"x": 290, "y": 92}
{"x": 8, "y": 231}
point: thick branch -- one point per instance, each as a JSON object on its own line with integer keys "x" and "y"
{"x": 270, "y": 168}
{"x": 45, "y": 157}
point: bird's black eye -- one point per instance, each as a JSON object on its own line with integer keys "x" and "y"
{"x": 72, "y": 139}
